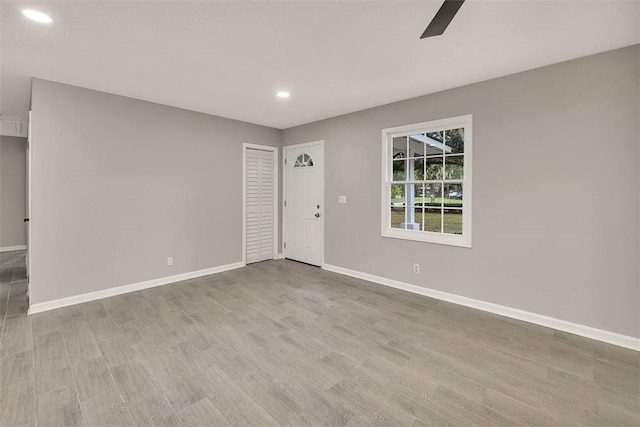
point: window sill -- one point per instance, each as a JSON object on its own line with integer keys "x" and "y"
{"x": 427, "y": 237}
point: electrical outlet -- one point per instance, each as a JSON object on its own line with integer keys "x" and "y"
{"x": 416, "y": 268}
{"x": 169, "y": 260}
{"x": 342, "y": 200}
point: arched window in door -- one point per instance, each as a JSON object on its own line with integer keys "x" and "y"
{"x": 303, "y": 161}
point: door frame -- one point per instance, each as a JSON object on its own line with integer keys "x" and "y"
{"x": 285, "y": 153}
{"x": 276, "y": 185}
{"x": 28, "y": 207}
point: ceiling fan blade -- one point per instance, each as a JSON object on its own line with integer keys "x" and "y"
{"x": 442, "y": 19}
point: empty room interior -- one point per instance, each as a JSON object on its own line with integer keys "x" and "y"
{"x": 336, "y": 213}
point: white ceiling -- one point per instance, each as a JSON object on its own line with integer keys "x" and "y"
{"x": 229, "y": 58}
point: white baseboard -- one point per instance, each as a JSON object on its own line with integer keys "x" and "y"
{"x": 279, "y": 256}
{"x": 105, "y": 293}
{"x": 13, "y": 248}
{"x": 514, "y": 313}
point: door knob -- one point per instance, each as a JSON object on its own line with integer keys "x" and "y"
{"x": 317, "y": 214}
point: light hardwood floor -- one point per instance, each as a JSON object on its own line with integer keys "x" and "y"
{"x": 282, "y": 343}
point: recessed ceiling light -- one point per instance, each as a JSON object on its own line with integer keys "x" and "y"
{"x": 34, "y": 15}
{"x": 283, "y": 94}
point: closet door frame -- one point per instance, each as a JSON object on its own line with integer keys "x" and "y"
{"x": 276, "y": 189}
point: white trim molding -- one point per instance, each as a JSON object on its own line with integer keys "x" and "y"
{"x": 106, "y": 293}
{"x": 279, "y": 256}
{"x": 13, "y": 248}
{"x": 514, "y": 313}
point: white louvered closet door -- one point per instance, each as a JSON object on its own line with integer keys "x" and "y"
{"x": 259, "y": 200}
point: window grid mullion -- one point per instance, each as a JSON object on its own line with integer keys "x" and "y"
{"x": 444, "y": 138}
{"x": 430, "y": 181}
{"x": 406, "y": 178}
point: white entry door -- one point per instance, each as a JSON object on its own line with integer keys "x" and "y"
{"x": 304, "y": 203}
{"x": 260, "y": 200}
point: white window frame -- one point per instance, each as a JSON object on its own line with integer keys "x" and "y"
{"x": 463, "y": 240}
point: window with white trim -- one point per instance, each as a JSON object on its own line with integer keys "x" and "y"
{"x": 426, "y": 194}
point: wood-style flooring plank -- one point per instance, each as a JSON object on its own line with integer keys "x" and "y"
{"x": 286, "y": 344}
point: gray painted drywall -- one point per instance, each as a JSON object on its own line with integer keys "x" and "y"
{"x": 13, "y": 192}
{"x": 555, "y": 192}
{"x": 120, "y": 184}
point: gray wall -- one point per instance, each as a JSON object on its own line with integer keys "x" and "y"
{"x": 13, "y": 193}
{"x": 555, "y": 181}
{"x": 119, "y": 184}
